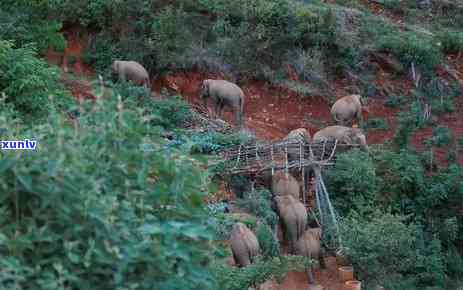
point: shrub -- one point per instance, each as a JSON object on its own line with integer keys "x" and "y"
{"x": 229, "y": 278}
{"x": 212, "y": 142}
{"x": 380, "y": 247}
{"x": 452, "y": 41}
{"x": 395, "y": 101}
{"x": 170, "y": 37}
{"x": 377, "y": 123}
{"x": 28, "y": 81}
{"x": 411, "y": 47}
{"x": 94, "y": 214}
{"x": 267, "y": 241}
{"x": 353, "y": 177}
{"x": 442, "y": 106}
{"x": 441, "y": 136}
{"x": 26, "y": 22}
{"x": 258, "y": 202}
{"x": 406, "y": 125}
{"x": 403, "y": 178}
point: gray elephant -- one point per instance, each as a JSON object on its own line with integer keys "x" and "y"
{"x": 244, "y": 245}
{"x": 299, "y": 134}
{"x": 344, "y": 135}
{"x": 285, "y": 184}
{"x": 294, "y": 217}
{"x": 224, "y": 93}
{"x": 309, "y": 246}
{"x": 131, "y": 71}
{"x": 346, "y": 109}
{"x": 294, "y": 152}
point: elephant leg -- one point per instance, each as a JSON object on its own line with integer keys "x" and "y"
{"x": 122, "y": 77}
{"x": 221, "y": 110}
{"x": 239, "y": 120}
{"x": 216, "y": 109}
{"x": 310, "y": 275}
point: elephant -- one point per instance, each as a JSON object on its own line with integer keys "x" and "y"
{"x": 346, "y": 109}
{"x": 285, "y": 184}
{"x": 344, "y": 135}
{"x": 309, "y": 246}
{"x": 294, "y": 152}
{"x": 223, "y": 93}
{"x": 299, "y": 134}
{"x": 294, "y": 217}
{"x": 244, "y": 245}
{"x": 131, "y": 71}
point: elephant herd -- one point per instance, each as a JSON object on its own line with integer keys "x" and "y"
{"x": 227, "y": 94}
{"x": 302, "y": 240}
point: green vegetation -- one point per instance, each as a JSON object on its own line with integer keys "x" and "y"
{"x": 29, "y": 95}
{"x": 442, "y": 136}
{"x": 377, "y": 123}
{"x": 93, "y": 209}
{"x": 395, "y": 101}
{"x": 114, "y": 196}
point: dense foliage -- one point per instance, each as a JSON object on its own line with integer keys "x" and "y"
{"x": 89, "y": 208}
{"x": 107, "y": 203}
{"x": 27, "y": 81}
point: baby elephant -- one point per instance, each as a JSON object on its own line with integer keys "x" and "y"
{"x": 309, "y": 246}
{"x": 244, "y": 245}
{"x": 344, "y": 135}
{"x": 131, "y": 71}
{"x": 294, "y": 217}
{"x": 224, "y": 93}
{"x": 346, "y": 109}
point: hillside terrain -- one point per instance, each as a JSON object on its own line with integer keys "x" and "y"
{"x": 94, "y": 208}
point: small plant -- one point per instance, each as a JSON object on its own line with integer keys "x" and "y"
{"x": 267, "y": 242}
{"x": 460, "y": 143}
{"x": 395, "y": 101}
{"x": 452, "y": 41}
{"x": 228, "y": 278}
{"x": 258, "y": 202}
{"x": 410, "y": 47}
{"x": 377, "y": 123}
{"x": 441, "y": 136}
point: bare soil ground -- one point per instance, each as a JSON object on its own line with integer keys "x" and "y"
{"x": 271, "y": 112}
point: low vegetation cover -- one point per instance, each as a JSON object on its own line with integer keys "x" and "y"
{"x": 107, "y": 202}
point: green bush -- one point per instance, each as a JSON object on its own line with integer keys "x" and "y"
{"x": 406, "y": 126}
{"x": 403, "y": 178}
{"x": 441, "y": 136}
{"x": 411, "y": 47}
{"x": 353, "y": 177}
{"x": 258, "y": 202}
{"x": 229, "y": 278}
{"x": 170, "y": 36}
{"x": 268, "y": 243}
{"x": 212, "y": 142}
{"x": 28, "y": 81}
{"x": 377, "y": 123}
{"x": 26, "y": 22}
{"x": 395, "y": 101}
{"x": 380, "y": 247}
{"x": 451, "y": 41}
{"x": 84, "y": 212}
